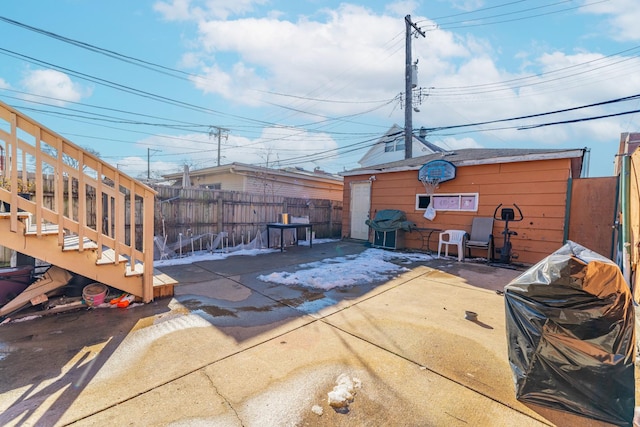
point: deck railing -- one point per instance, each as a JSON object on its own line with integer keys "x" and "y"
{"x": 29, "y": 153}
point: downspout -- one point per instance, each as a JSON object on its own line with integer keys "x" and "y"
{"x": 567, "y": 210}
{"x": 623, "y": 241}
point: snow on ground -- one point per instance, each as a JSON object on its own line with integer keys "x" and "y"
{"x": 366, "y": 267}
{"x": 344, "y": 391}
{"x": 197, "y": 256}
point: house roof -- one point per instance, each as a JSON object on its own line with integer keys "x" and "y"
{"x": 236, "y": 167}
{"x": 472, "y": 156}
{"x": 422, "y": 137}
{"x": 395, "y": 133}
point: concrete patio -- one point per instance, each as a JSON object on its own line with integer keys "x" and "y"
{"x": 232, "y": 350}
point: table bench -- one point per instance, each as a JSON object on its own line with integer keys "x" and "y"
{"x": 282, "y": 227}
{"x": 425, "y": 233}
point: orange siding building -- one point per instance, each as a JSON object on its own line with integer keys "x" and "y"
{"x": 536, "y": 180}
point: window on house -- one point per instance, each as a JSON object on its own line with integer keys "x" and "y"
{"x": 422, "y": 201}
{"x": 448, "y": 202}
{"x": 217, "y": 186}
{"x": 395, "y": 145}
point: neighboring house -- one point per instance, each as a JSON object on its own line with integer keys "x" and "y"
{"x": 629, "y": 142}
{"x": 289, "y": 182}
{"x": 539, "y": 181}
{"x": 391, "y": 147}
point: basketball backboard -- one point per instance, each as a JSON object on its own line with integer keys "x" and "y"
{"x": 440, "y": 170}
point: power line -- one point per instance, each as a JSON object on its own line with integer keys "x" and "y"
{"x": 474, "y": 22}
{"x": 305, "y": 100}
{"x": 597, "y": 104}
{"x": 110, "y": 53}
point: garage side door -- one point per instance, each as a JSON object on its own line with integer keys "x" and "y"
{"x": 360, "y": 205}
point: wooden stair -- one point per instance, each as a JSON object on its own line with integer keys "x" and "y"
{"x": 83, "y": 214}
{"x": 86, "y": 260}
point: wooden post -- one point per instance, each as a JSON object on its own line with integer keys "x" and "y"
{"x": 220, "y": 215}
{"x": 330, "y": 218}
{"x": 147, "y": 244}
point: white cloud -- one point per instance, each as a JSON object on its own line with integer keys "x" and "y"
{"x": 53, "y": 84}
{"x": 402, "y": 7}
{"x": 275, "y": 146}
{"x": 331, "y": 59}
{"x": 175, "y": 10}
{"x": 451, "y": 143}
{"x": 240, "y": 85}
{"x": 194, "y": 10}
{"x": 468, "y": 5}
{"x": 328, "y": 57}
{"x": 4, "y": 84}
{"x": 624, "y": 16}
{"x": 279, "y": 144}
{"x": 190, "y": 60}
{"x": 139, "y": 167}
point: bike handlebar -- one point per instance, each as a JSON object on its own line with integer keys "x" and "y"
{"x": 495, "y": 213}
{"x": 520, "y": 212}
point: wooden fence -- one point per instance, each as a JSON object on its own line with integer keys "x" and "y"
{"x": 195, "y": 212}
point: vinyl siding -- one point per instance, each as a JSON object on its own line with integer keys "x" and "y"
{"x": 539, "y": 188}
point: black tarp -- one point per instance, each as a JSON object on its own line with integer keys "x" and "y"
{"x": 571, "y": 335}
{"x": 390, "y": 220}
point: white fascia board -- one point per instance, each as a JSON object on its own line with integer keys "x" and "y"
{"x": 367, "y": 172}
{"x": 569, "y": 154}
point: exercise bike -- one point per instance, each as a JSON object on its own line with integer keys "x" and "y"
{"x": 507, "y": 215}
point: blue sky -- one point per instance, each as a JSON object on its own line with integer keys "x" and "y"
{"x": 149, "y": 85}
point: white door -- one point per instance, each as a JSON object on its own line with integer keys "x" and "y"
{"x": 360, "y": 205}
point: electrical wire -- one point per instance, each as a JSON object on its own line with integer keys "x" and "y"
{"x": 316, "y": 126}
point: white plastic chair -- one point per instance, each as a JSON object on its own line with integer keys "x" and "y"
{"x": 452, "y": 237}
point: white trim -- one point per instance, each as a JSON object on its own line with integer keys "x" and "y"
{"x": 476, "y": 197}
{"x": 568, "y": 154}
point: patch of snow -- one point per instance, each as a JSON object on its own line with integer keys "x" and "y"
{"x": 317, "y": 409}
{"x": 367, "y": 267}
{"x": 344, "y": 391}
{"x": 25, "y": 318}
{"x": 209, "y": 256}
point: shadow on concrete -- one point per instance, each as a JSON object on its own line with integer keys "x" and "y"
{"x": 232, "y": 298}
{"x": 46, "y": 363}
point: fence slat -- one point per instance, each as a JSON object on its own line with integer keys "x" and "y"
{"x": 196, "y": 211}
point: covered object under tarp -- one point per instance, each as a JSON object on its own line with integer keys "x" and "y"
{"x": 571, "y": 335}
{"x": 390, "y": 220}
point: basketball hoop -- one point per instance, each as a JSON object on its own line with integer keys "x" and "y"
{"x": 431, "y": 174}
{"x": 430, "y": 184}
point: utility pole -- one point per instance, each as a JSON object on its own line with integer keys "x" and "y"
{"x": 218, "y": 133}
{"x": 408, "y": 104}
{"x": 149, "y": 163}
